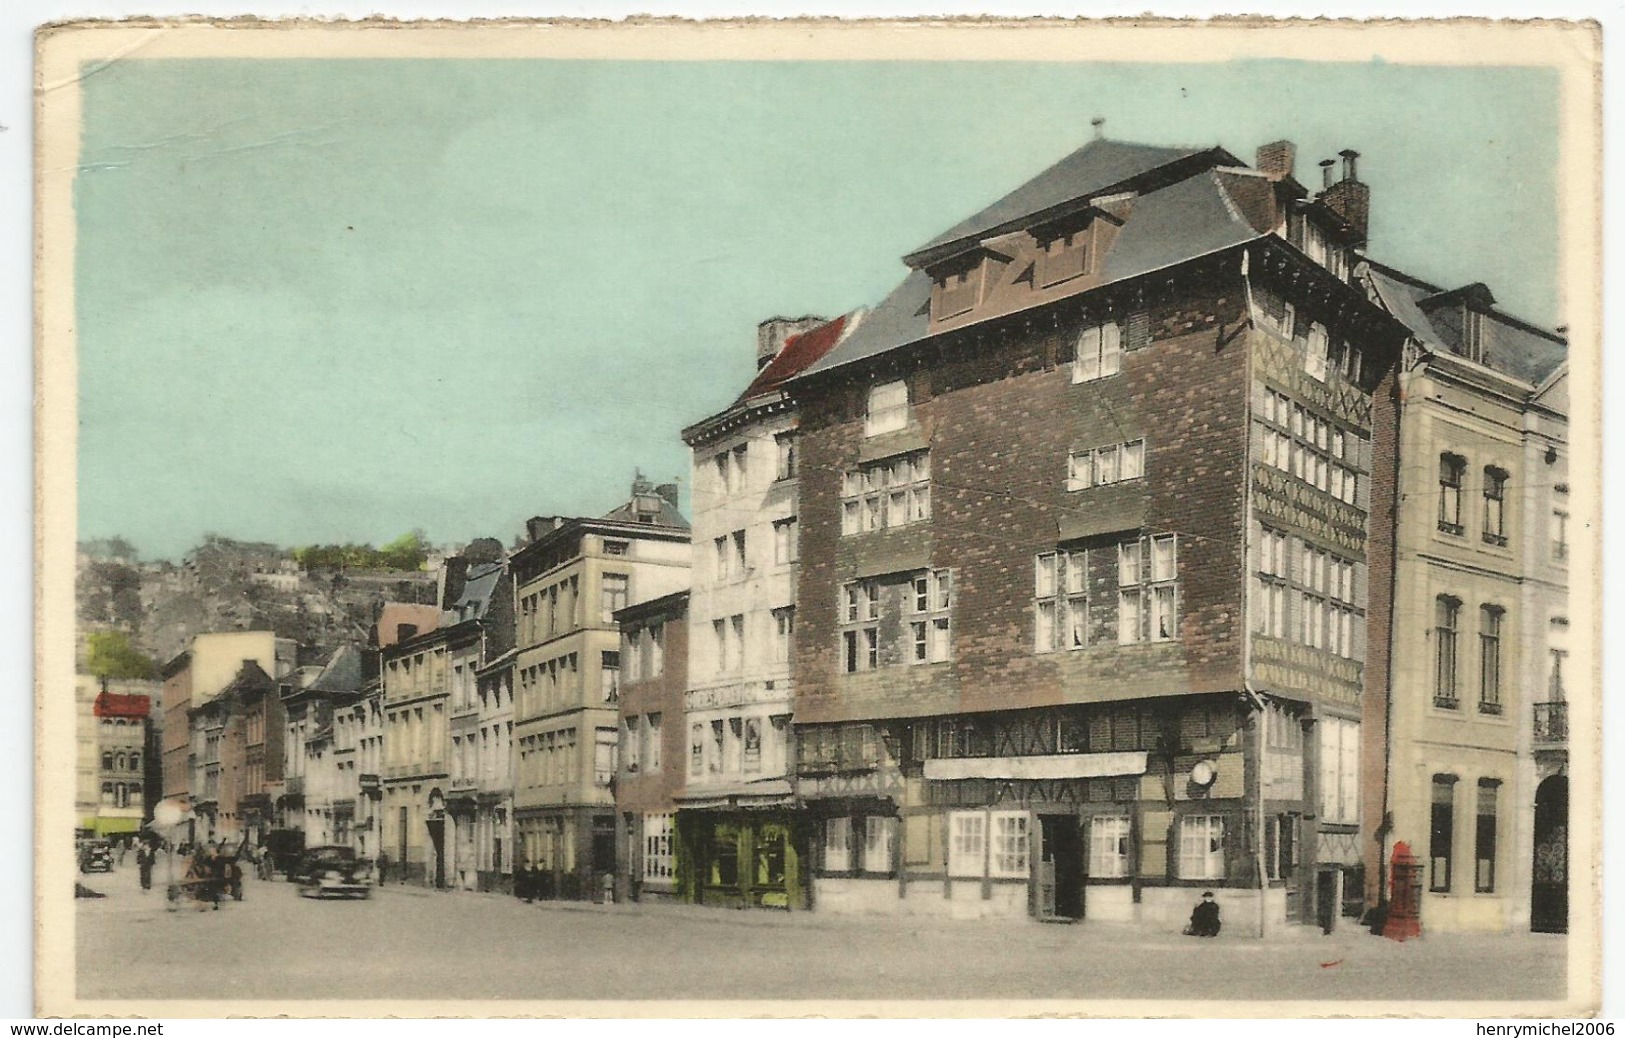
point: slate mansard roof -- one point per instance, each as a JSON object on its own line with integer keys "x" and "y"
{"x": 1512, "y": 346}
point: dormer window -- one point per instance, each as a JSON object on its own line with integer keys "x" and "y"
{"x": 888, "y": 408}
{"x": 1065, "y": 252}
{"x": 956, "y": 292}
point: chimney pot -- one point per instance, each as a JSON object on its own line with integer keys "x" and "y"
{"x": 1326, "y": 172}
{"x": 1099, "y": 125}
{"x": 1350, "y": 156}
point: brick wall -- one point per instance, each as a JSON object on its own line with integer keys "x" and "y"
{"x": 645, "y": 792}
{"x": 1001, "y": 414}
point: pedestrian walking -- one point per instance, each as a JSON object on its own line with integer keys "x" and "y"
{"x": 123, "y": 848}
{"x": 145, "y": 857}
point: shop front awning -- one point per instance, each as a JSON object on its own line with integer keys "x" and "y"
{"x": 1050, "y": 766}
{"x": 766, "y": 793}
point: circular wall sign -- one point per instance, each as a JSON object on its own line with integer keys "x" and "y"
{"x": 1204, "y": 773}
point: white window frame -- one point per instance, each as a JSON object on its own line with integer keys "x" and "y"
{"x": 786, "y": 546}
{"x": 784, "y": 630}
{"x": 1339, "y": 770}
{"x": 1109, "y": 846}
{"x": 967, "y": 844}
{"x": 879, "y": 841}
{"x": 1201, "y": 847}
{"x": 838, "y": 844}
{"x": 859, "y": 612}
{"x": 887, "y": 409}
{"x": 930, "y": 624}
{"x": 1061, "y": 601}
{"x": 658, "y": 837}
{"x": 1010, "y": 836}
{"x": 886, "y": 493}
{"x": 1099, "y": 352}
{"x": 785, "y": 452}
{"x": 649, "y": 734}
{"x": 1152, "y": 596}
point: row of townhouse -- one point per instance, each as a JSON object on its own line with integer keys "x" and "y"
{"x": 1149, "y": 538}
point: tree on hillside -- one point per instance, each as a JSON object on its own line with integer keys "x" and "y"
{"x": 408, "y": 551}
{"x": 110, "y": 655}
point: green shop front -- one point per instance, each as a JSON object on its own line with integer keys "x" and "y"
{"x": 742, "y": 851}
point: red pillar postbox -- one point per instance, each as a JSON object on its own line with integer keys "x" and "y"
{"x": 1405, "y": 895}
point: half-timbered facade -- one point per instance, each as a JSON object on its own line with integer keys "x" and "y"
{"x": 1083, "y": 591}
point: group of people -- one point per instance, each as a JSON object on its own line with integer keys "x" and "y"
{"x": 212, "y": 874}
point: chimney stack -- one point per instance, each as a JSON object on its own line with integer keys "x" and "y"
{"x": 453, "y": 578}
{"x": 669, "y": 492}
{"x": 773, "y": 333}
{"x": 1348, "y": 198}
{"x": 1276, "y": 159}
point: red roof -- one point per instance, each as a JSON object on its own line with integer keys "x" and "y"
{"x": 799, "y": 352}
{"x": 116, "y": 704}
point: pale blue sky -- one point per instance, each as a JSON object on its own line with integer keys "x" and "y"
{"x": 337, "y": 300}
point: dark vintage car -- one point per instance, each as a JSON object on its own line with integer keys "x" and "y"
{"x": 333, "y": 872}
{"x": 96, "y": 856}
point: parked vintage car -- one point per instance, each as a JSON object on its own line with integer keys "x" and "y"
{"x": 335, "y": 872}
{"x": 96, "y": 856}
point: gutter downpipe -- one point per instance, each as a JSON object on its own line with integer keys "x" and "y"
{"x": 1254, "y": 698}
{"x": 1401, "y": 397}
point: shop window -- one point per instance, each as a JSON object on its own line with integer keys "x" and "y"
{"x": 1201, "y": 847}
{"x": 1441, "y": 833}
{"x": 1108, "y": 846}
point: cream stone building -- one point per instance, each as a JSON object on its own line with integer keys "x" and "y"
{"x": 1478, "y": 474}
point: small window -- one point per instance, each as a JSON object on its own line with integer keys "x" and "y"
{"x": 1452, "y": 468}
{"x": 616, "y": 547}
{"x": 1495, "y": 485}
{"x": 1446, "y": 617}
{"x": 1489, "y": 659}
{"x": 786, "y": 444}
{"x": 1099, "y": 352}
{"x": 888, "y": 408}
{"x": 1316, "y": 353}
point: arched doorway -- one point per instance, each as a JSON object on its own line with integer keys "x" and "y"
{"x": 1549, "y": 893}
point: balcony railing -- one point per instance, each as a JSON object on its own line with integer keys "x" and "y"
{"x": 1551, "y": 723}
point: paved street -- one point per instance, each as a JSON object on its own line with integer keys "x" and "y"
{"x": 411, "y": 944}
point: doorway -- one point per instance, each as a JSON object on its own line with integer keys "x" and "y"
{"x": 1328, "y": 898}
{"x": 1060, "y": 868}
{"x": 1549, "y": 891}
